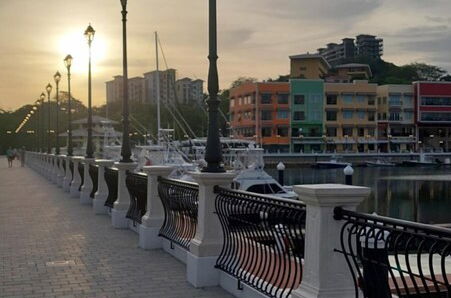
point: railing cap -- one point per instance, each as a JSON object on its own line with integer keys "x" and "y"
{"x": 125, "y": 165}
{"x": 213, "y": 178}
{"x": 105, "y": 162}
{"x": 158, "y": 170}
{"x": 330, "y": 195}
{"x": 77, "y": 158}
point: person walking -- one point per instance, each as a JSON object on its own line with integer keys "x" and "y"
{"x": 10, "y": 156}
{"x": 22, "y": 156}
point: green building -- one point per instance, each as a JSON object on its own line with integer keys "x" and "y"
{"x": 307, "y": 110}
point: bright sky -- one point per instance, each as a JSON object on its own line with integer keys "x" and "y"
{"x": 255, "y": 37}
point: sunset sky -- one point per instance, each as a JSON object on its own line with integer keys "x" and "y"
{"x": 255, "y": 38}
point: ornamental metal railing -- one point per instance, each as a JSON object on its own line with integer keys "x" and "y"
{"x": 395, "y": 258}
{"x": 263, "y": 240}
{"x": 137, "y": 187}
{"x": 94, "y": 174}
{"x": 81, "y": 171}
{"x": 111, "y": 179}
{"x": 180, "y": 201}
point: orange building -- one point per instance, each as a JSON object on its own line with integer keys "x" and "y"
{"x": 261, "y": 112}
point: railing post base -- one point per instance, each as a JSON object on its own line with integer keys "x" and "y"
{"x": 326, "y": 273}
{"x": 61, "y": 172}
{"x": 86, "y": 188}
{"x": 154, "y": 217}
{"x": 119, "y": 211}
{"x": 98, "y": 204}
{"x": 207, "y": 243}
{"x": 76, "y": 181}
{"x": 68, "y": 177}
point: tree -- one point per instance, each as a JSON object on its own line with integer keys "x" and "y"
{"x": 242, "y": 80}
{"x": 426, "y": 72}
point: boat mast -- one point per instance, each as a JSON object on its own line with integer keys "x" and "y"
{"x": 158, "y": 90}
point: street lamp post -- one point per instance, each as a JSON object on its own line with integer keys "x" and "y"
{"x": 213, "y": 152}
{"x": 68, "y": 63}
{"x": 35, "y": 109}
{"x": 42, "y": 135}
{"x": 89, "y": 34}
{"x": 125, "y": 150}
{"x": 57, "y": 78}
{"x": 48, "y": 88}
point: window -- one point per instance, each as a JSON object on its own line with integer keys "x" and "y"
{"x": 378, "y": 100}
{"x": 371, "y": 116}
{"x": 282, "y": 98}
{"x": 266, "y": 98}
{"x": 408, "y": 100}
{"x": 394, "y": 100}
{"x": 331, "y": 116}
{"x": 299, "y": 99}
{"x": 394, "y": 117}
{"x": 266, "y": 131}
{"x": 298, "y": 116}
{"x": 436, "y": 101}
{"x": 317, "y": 116}
{"x": 371, "y": 100}
{"x": 282, "y": 114}
{"x": 316, "y": 99}
{"x": 362, "y": 115}
{"x": 384, "y": 100}
{"x": 331, "y": 99}
{"x": 347, "y": 99}
{"x": 232, "y": 102}
{"x": 361, "y": 132}
{"x": 266, "y": 115}
{"x": 360, "y": 98}
{"x": 347, "y": 131}
{"x": 371, "y": 132}
{"x": 314, "y": 132}
{"x": 282, "y": 131}
{"x": 331, "y": 131}
{"x": 347, "y": 114}
{"x": 408, "y": 115}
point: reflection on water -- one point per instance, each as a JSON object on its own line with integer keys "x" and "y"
{"x": 422, "y": 201}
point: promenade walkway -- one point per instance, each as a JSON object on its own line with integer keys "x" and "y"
{"x": 51, "y": 246}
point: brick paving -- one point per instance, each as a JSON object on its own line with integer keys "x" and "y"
{"x": 51, "y": 246}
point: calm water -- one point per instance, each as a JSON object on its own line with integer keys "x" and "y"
{"x": 422, "y": 201}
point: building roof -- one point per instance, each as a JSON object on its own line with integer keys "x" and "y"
{"x": 354, "y": 65}
{"x": 310, "y": 56}
{"x": 95, "y": 120}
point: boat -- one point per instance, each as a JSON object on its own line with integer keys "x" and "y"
{"x": 424, "y": 161}
{"x": 334, "y": 163}
{"x": 379, "y": 163}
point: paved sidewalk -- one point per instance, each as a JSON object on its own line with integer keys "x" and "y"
{"x": 40, "y": 224}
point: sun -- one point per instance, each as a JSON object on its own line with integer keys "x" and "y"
{"x": 75, "y": 44}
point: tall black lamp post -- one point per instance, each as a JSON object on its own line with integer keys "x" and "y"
{"x": 89, "y": 34}
{"x": 48, "y": 88}
{"x": 68, "y": 64}
{"x": 125, "y": 150}
{"x": 213, "y": 153}
{"x": 42, "y": 135}
{"x": 35, "y": 109}
{"x": 57, "y": 78}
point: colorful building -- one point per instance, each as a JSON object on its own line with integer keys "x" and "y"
{"x": 307, "y": 106}
{"x": 261, "y": 112}
{"x": 395, "y": 115}
{"x": 350, "y": 116}
{"x": 433, "y": 115}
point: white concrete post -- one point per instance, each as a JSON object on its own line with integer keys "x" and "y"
{"x": 76, "y": 181}
{"x": 87, "y": 186}
{"x": 326, "y": 273}
{"x": 61, "y": 172}
{"x": 53, "y": 157}
{"x": 120, "y": 208}
{"x": 154, "y": 217}
{"x": 204, "y": 249}
{"x": 68, "y": 177}
{"x": 102, "y": 191}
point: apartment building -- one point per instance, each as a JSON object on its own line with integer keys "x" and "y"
{"x": 189, "y": 91}
{"x": 395, "y": 116}
{"x": 261, "y": 112}
{"x": 350, "y": 116}
{"x": 167, "y": 85}
{"x": 115, "y": 90}
{"x": 335, "y": 53}
{"x": 308, "y": 66}
{"x": 433, "y": 115}
{"x": 307, "y": 105}
{"x": 369, "y": 46}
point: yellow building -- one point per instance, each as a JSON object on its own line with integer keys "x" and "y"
{"x": 350, "y": 116}
{"x": 308, "y": 66}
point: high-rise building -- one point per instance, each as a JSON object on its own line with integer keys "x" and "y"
{"x": 115, "y": 90}
{"x": 189, "y": 90}
{"x": 365, "y": 45}
{"x": 167, "y": 85}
